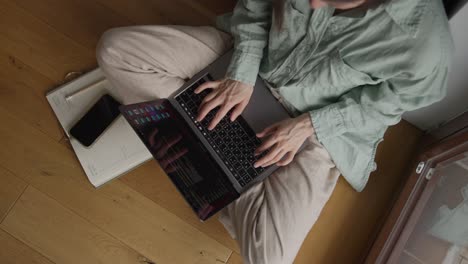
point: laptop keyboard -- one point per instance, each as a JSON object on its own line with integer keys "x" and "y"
{"x": 234, "y": 142}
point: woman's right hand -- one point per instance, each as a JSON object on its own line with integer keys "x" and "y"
{"x": 227, "y": 94}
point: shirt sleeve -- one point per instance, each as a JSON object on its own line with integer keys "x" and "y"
{"x": 372, "y": 107}
{"x": 250, "y": 25}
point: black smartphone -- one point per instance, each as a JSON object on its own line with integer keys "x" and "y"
{"x": 96, "y": 121}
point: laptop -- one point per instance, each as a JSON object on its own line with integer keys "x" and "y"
{"x": 209, "y": 168}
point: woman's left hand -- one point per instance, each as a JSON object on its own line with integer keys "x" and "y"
{"x": 283, "y": 140}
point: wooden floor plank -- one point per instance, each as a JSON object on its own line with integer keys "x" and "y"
{"x": 13, "y": 251}
{"x": 151, "y": 181}
{"x": 180, "y": 13}
{"x": 184, "y": 12}
{"x": 11, "y": 187}
{"x": 349, "y": 219}
{"x": 235, "y": 259}
{"x": 38, "y": 45}
{"x": 82, "y": 21}
{"x": 141, "y": 12}
{"x": 116, "y": 208}
{"x": 212, "y": 8}
{"x": 161, "y": 225}
{"x": 69, "y": 238}
{"x": 22, "y": 93}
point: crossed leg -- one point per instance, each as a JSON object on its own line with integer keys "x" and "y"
{"x": 270, "y": 220}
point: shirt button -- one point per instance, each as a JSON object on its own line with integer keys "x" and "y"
{"x": 288, "y": 69}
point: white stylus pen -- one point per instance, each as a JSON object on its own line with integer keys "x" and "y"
{"x": 70, "y": 96}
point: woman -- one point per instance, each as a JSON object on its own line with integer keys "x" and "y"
{"x": 346, "y": 69}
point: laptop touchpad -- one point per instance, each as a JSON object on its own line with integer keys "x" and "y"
{"x": 263, "y": 109}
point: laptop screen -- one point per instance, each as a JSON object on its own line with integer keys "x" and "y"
{"x": 181, "y": 155}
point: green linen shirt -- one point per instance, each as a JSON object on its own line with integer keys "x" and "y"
{"x": 356, "y": 73}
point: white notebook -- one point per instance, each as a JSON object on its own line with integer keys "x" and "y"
{"x": 117, "y": 150}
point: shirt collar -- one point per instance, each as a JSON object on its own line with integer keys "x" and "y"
{"x": 407, "y": 13}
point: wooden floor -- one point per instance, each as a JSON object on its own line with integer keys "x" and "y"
{"x": 49, "y": 213}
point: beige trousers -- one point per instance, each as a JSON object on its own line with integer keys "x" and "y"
{"x": 271, "y": 219}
